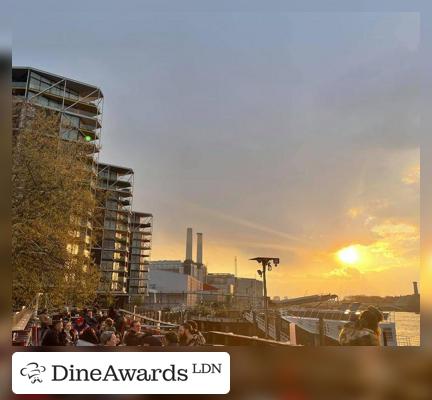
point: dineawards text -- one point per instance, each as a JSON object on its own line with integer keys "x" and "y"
{"x": 72, "y": 374}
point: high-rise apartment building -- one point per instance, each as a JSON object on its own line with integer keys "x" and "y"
{"x": 79, "y": 106}
{"x": 122, "y": 240}
{"x": 141, "y": 227}
{"x": 112, "y": 228}
{"x": 118, "y": 239}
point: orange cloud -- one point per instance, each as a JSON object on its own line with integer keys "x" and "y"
{"x": 396, "y": 245}
{"x": 354, "y": 212}
{"x": 412, "y": 175}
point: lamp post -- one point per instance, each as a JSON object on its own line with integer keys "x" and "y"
{"x": 267, "y": 264}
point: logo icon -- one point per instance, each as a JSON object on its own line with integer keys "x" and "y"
{"x": 33, "y": 371}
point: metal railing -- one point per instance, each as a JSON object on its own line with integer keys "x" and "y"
{"x": 150, "y": 321}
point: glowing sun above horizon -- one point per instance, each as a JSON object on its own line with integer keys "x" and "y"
{"x": 348, "y": 255}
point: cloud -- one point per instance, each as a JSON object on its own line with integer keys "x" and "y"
{"x": 395, "y": 245}
{"x": 242, "y": 222}
{"x": 412, "y": 175}
{"x": 345, "y": 272}
{"x": 397, "y": 233}
{"x": 354, "y": 212}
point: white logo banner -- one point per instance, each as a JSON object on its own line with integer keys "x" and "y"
{"x": 120, "y": 372}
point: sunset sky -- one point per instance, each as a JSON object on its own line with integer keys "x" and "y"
{"x": 291, "y": 135}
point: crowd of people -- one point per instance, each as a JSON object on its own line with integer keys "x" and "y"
{"x": 93, "y": 327}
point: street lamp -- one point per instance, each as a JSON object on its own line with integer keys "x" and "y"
{"x": 267, "y": 264}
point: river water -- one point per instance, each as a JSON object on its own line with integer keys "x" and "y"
{"x": 407, "y": 328}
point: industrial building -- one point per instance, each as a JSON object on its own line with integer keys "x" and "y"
{"x": 170, "y": 289}
{"x": 185, "y": 284}
{"x": 248, "y": 293}
{"x": 176, "y": 283}
{"x": 241, "y": 293}
{"x": 225, "y": 283}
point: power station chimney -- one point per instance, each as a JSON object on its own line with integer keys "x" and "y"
{"x": 199, "y": 258}
{"x": 189, "y": 241}
{"x": 416, "y": 292}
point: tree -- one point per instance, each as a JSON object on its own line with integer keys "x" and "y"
{"x": 52, "y": 203}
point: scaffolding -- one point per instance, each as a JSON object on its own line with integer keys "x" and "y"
{"x": 118, "y": 239}
{"x": 140, "y": 252}
{"x": 112, "y": 228}
{"x": 80, "y": 108}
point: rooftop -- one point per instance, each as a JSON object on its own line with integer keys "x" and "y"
{"x": 116, "y": 168}
{"x": 80, "y": 87}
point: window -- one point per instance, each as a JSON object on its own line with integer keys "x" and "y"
{"x": 69, "y": 134}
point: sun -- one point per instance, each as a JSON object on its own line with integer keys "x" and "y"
{"x": 348, "y": 255}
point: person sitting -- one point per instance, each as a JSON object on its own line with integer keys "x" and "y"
{"x": 66, "y": 332}
{"x": 88, "y": 336}
{"x": 120, "y": 325}
{"x": 187, "y": 338}
{"x": 80, "y": 325}
{"x": 108, "y": 325}
{"x": 171, "y": 339}
{"x": 134, "y": 336}
{"x": 45, "y": 322}
{"x": 109, "y": 338}
{"x": 363, "y": 332}
{"x": 112, "y": 313}
{"x": 152, "y": 340}
{"x": 74, "y": 336}
{"x": 199, "y": 336}
{"x": 53, "y": 335}
{"x": 90, "y": 319}
{"x": 44, "y": 318}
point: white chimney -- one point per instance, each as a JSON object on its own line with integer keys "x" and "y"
{"x": 189, "y": 241}
{"x": 199, "y": 258}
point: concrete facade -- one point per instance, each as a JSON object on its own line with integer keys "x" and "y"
{"x": 225, "y": 283}
{"x": 248, "y": 293}
{"x": 171, "y": 289}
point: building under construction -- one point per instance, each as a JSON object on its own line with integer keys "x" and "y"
{"x": 111, "y": 242}
{"x": 118, "y": 239}
{"x": 141, "y": 229}
{"x": 122, "y": 244}
{"x": 79, "y": 106}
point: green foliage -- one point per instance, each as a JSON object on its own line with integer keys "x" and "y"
{"x": 52, "y": 203}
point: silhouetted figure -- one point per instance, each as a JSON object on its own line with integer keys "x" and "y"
{"x": 53, "y": 335}
{"x": 89, "y": 335}
{"x": 363, "y": 332}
